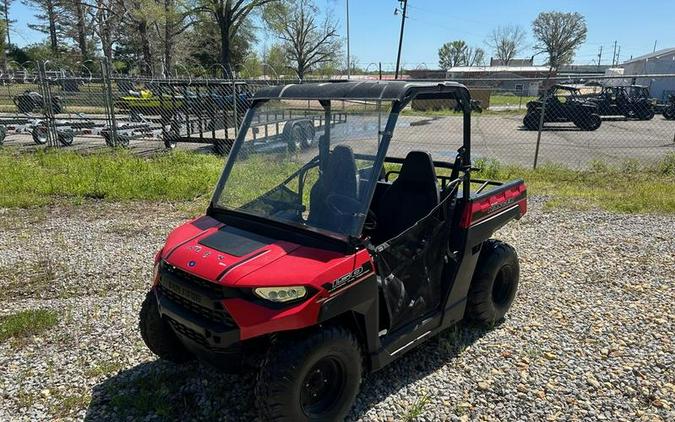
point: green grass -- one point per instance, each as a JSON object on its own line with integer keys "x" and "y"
{"x": 445, "y": 112}
{"x": 49, "y": 177}
{"x": 513, "y": 100}
{"x": 45, "y": 177}
{"x": 628, "y": 188}
{"x": 26, "y": 323}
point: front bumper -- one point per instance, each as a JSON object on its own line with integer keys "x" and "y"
{"x": 198, "y": 318}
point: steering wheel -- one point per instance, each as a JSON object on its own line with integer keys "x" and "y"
{"x": 344, "y": 205}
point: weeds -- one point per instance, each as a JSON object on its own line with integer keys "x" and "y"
{"x": 26, "y": 323}
{"x": 417, "y": 409}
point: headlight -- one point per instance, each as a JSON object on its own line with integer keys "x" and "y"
{"x": 281, "y": 294}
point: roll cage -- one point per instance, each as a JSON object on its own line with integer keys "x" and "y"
{"x": 398, "y": 93}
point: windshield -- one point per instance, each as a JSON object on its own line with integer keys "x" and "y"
{"x": 294, "y": 168}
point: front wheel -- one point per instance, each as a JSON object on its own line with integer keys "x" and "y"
{"x": 157, "y": 335}
{"x": 669, "y": 113}
{"x": 494, "y": 283}
{"x": 310, "y": 378}
{"x": 66, "y": 137}
{"x": 40, "y": 135}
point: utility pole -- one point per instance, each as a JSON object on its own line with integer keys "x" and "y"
{"x": 614, "y": 55}
{"x": 400, "y": 39}
{"x": 654, "y": 51}
{"x": 618, "y": 55}
{"x": 349, "y": 61}
{"x": 599, "y": 57}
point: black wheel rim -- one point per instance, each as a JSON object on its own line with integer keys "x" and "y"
{"x": 322, "y": 387}
{"x": 502, "y": 288}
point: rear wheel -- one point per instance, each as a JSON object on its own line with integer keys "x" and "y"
{"x": 669, "y": 113}
{"x": 494, "y": 283}
{"x": 589, "y": 122}
{"x": 3, "y": 133}
{"x": 311, "y": 378}
{"x": 157, "y": 335}
{"x": 531, "y": 121}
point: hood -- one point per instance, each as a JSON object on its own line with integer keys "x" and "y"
{"x": 213, "y": 251}
{"x": 231, "y": 256}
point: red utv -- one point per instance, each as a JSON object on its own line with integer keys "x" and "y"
{"x": 334, "y": 260}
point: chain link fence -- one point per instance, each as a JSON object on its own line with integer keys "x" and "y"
{"x": 570, "y": 121}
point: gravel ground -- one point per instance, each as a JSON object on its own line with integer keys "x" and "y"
{"x": 590, "y": 335}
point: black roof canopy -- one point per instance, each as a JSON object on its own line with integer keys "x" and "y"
{"x": 362, "y": 90}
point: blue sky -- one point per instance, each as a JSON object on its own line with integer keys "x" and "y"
{"x": 374, "y": 28}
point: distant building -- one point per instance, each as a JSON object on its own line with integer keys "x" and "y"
{"x": 657, "y": 63}
{"x": 512, "y": 62}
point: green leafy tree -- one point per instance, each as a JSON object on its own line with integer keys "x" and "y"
{"x": 275, "y": 58}
{"x": 559, "y": 34}
{"x": 230, "y": 17}
{"x": 48, "y": 22}
{"x": 4, "y": 11}
{"x": 458, "y": 53}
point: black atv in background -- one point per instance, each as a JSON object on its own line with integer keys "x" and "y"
{"x": 31, "y": 101}
{"x": 669, "y": 109}
{"x": 563, "y": 104}
{"x": 631, "y": 102}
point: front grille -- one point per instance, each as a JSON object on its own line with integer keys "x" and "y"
{"x": 198, "y": 296}
{"x": 217, "y": 290}
{"x": 215, "y": 314}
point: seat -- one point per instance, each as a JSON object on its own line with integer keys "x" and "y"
{"x": 411, "y": 196}
{"x": 339, "y": 177}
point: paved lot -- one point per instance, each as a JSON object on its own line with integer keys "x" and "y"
{"x": 493, "y": 136}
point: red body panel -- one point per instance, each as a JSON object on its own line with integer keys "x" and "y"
{"x": 280, "y": 263}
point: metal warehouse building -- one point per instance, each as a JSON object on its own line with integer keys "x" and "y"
{"x": 658, "y": 62}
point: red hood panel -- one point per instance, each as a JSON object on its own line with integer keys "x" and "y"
{"x": 211, "y": 264}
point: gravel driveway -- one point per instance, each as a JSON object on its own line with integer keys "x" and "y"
{"x": 590, "y": 335}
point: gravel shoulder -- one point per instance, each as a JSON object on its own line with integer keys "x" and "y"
{"x": 590, "y": 335}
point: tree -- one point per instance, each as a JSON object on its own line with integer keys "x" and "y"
{"x": 176, "y": 18}
{"x": 275, "y": 57}
{"x": 77, "y": 25}
{"x": 106, "y": 16}
{"x": 48, "y": 12}
{"x": 506, "y": 42}
{"x": 309, "y": 41}
{"x": 230, "y": 15}
{"x": 4, "y": 10}
{"x": 458, "y": 53}
{"x": 559, "y": 34}
{"x": 205, "y": 48}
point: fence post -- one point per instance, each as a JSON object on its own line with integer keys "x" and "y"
{"x": 109, "y": 101}
{"x": 47, "y": 110}
{"x": 235, "y": 100}
{"x": 542, "y": 113}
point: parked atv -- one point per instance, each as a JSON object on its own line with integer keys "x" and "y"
{"x": 563, "y": 104}
{"x": 31, "y": 101}
{"x": 631, "y": 102}
{"x": 669, "y": 109}
{"x": 322, "y": 264}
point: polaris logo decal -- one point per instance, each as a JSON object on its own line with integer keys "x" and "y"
{"x": 348, "y": 278}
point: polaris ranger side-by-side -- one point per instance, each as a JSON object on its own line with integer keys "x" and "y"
{"x": 334, "y": 260}
{"x": 563, "y": 104}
